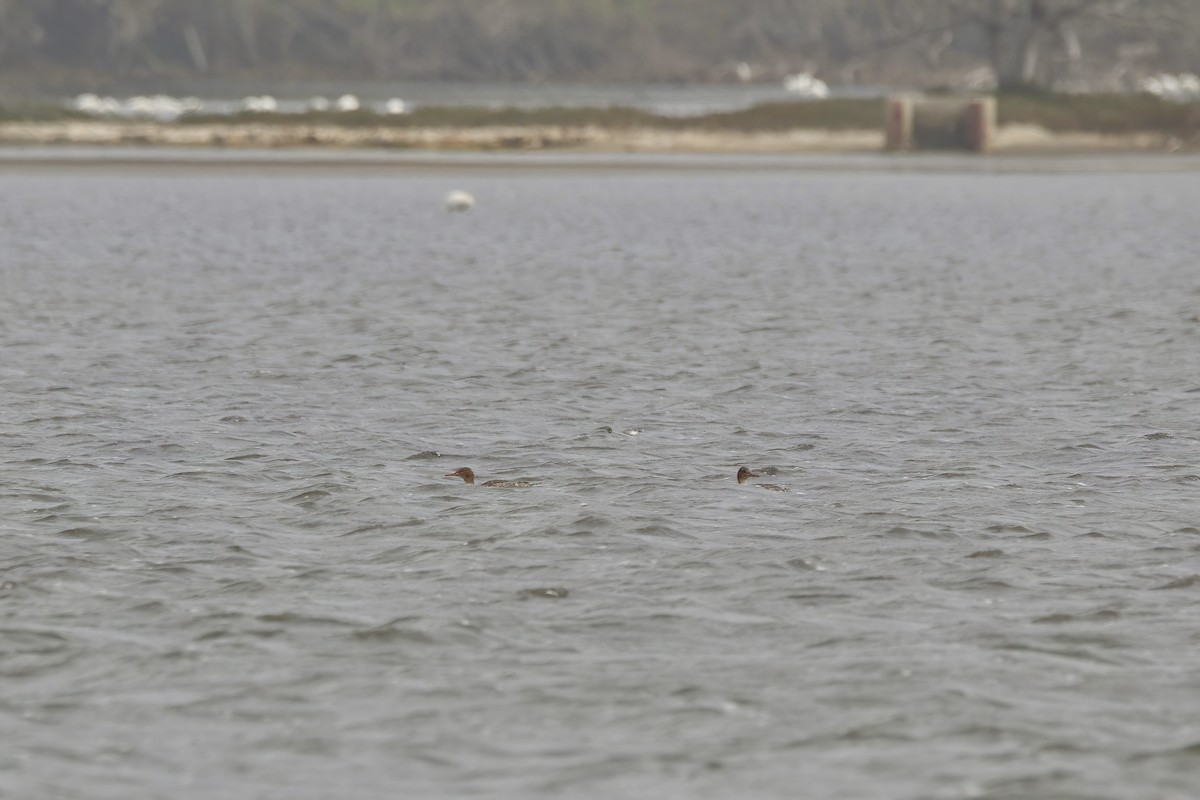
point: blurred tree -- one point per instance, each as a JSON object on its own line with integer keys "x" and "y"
{"x": 1026, "y": 39}
{"x": 1023, "y": 41}
{"x": 21, "y": 34}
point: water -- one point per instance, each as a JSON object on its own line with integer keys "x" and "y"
{"x": 231, "y": 566}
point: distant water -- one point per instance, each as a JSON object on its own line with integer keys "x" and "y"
{"x": 230, "y": 566}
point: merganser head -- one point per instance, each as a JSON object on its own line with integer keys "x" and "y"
{"x": 466, "y": 473}
{"x": 745, "y": 473}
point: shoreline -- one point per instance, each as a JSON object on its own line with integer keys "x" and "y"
{"x": 1012, "y": 139}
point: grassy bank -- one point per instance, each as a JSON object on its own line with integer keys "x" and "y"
{"x": 1030, "y": 122}
{"x": 37, "y": 112}
{"x": 1060, "y": 113}
{"x": 826, "y": 115}
{"x": 1099, "y": 113}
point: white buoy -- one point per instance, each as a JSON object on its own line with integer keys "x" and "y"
{"x": 459, "y": 200}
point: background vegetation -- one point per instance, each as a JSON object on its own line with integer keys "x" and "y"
{"x": 1062, "y": 42}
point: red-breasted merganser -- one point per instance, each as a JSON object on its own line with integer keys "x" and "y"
{"x": 745, "y": 473}
{"x": 468, "y": 475}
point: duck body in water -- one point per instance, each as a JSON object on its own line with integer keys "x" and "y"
{"x": 468, "y": 476}
{"x": 744, "y": 474}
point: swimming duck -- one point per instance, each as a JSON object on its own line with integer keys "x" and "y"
{"x": 744, "y": 473}
{"x": 468, "y": 475}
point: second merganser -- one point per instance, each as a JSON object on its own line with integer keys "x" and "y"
{"x": 468, "y": 475}
{"x": 744, "y": 473}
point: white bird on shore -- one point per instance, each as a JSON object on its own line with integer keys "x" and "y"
{"x": 807, "y": 86}
{"x": 264, "y": 104}
{"x": 161, "y": 107}
{"x": 347, "y": 102}
{"x": 88, "y": 103}
{"x": 459, "y": 200}
{"x": 1182, "y": 88}
{"x": 395, "y": 106}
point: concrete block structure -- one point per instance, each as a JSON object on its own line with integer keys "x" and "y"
{"x": 920, "y": 122}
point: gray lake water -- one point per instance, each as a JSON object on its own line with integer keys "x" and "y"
{"x": 230, "y": 565}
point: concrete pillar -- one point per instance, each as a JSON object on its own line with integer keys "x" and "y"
{"x": 980, "y": 128}
{"x": 898, "y": 121}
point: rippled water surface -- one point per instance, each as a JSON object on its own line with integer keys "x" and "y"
{"x": 230, "y": 565}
